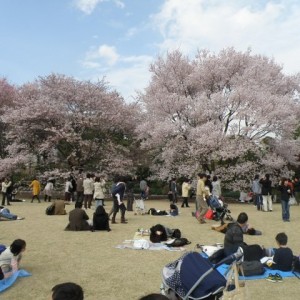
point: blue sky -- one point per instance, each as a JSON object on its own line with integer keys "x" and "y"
{"x": 118, "y": 39}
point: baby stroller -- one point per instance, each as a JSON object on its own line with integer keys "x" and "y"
{"x": 220, "y": 209}
{"x": 139, "y": 206}
{"x": 194, "y": 277}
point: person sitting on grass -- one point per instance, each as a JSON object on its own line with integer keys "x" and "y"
{"x": 67, "y": 291}
{"x": 59, "y": 207}
{"x": 10, "y": 258}
{"x": 100, "y": 219}
{"x": 5, "y": 215}
{"x": 160, "y": 233}
{"x": 173, "y": 210}
{"x": 78, "y": 219}
{"x": 283, "y": 256}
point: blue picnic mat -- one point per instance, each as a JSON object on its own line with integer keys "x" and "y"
{"x": 7, "y": 282}
{"x": 224, "y": 268}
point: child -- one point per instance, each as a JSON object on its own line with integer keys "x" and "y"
{"x": 11, "y": 257}
{"x": 173, "y": 210}
{"x": 283, "y": 256}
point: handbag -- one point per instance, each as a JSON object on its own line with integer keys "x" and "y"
{"x": 209, "y": 214}
{"x": 252, "y": 268}
{"x": 292, "y": 201}
{"x": 235, "y": 289}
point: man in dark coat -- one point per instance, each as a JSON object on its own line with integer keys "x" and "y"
{"x": 78, "y": 219}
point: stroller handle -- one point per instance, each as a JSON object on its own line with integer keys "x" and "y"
{"x": 237, "y": 256}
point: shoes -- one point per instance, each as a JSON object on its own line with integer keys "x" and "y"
{"x": 201, "y": 221}
{"x": 278, "y": 277}
{"x": 271, "y": 278}
{"x": 274, "y": 277}
{"x": 20, "y": 218}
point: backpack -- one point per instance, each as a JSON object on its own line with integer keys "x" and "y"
{"x": 296, "y": 266}
{"x": 2, "y": 248}
{"x": 50, "y": 210}
{"x": 179, "y": 242}
{"x": 252, "y": 268}
{"x": 117, "y": 188}
{"x": 176, "y": 234}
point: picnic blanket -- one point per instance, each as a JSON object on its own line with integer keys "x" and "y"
{"x": 7, "y": 282}
{"x": 141, "y": 241}
{"x": 223, "y": 269}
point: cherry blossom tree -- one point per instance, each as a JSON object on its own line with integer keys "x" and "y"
{"x": 231, "y": 113}
{"x": 58, "y": 121}
{"x": 7, "y": 96}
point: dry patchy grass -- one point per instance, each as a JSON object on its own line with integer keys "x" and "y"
{"x": 91, "y": 259}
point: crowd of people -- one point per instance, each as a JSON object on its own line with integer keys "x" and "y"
{"x": 88, "y": 189}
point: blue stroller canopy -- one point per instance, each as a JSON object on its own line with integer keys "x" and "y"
{"x": 214, "y": 202}
{"x": 187, "y": 270}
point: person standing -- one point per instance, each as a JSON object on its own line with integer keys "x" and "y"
{"x": 36, "y": 188}
{"x": 5, "y": 185}
{"x": 216, "y": 187}
{"x": 98, "y": 192}
{"x": 48, "y": 191}
{"x": 88, "y": 191}
{"x": 143, "y": 189}
{"x": 68, "y": 189}
{"x": 256, "y": 189}
{"x": 266, "y": 191}
{"x": 208, "y": 183}
{"x": 174, "y": 190}
{"x": 297, "y": 189}
{"x": 79, "y": 188}
{"x": 201, "y": 193}
{"x": 185, "y": 189}
{"x": 74, "y": 187}
{"x": 118, "y": 195}
{"x": 130, "y": 194}
{"x": 286, "y": 193}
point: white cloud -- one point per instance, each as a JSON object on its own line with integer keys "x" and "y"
{"x": 120, "y": 4}
{"x": 127, "y": 74}
{"x": 107, "y": 55}
{"x": 88, "y": 6}
{"x": 270, "y": 28}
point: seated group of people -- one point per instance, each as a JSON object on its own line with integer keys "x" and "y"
{"x": 79, "y": 220}
{"x": 282, "y": 256}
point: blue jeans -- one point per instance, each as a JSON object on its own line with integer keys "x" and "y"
{"x": 285, "y": 210}
{"x": 259, "y": 201}
{"x": 98, "y": 202}
{"x": 5, "y": 213}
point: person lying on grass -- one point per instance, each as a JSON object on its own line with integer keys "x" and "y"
{"x": 5, "y": 215}
{"x": 10, "y": 258}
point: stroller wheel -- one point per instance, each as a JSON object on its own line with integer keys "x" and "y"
{"x": 229, "y": 218}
